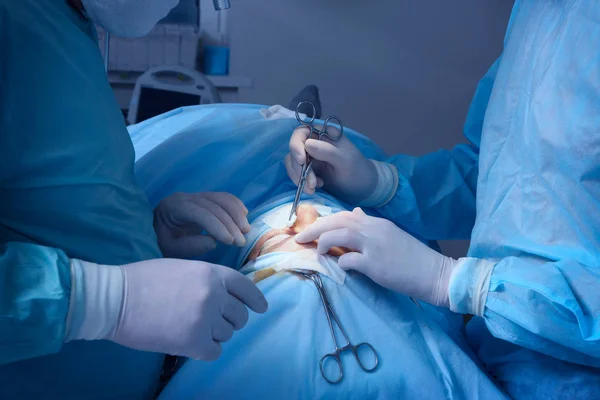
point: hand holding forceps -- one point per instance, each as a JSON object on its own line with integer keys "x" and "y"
{"x": 335, "y": 356}
{"x": 334, "y": 135}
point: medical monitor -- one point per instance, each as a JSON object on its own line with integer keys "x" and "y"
{"x": 153, "y": 102}
{"x": 162, "y": 89}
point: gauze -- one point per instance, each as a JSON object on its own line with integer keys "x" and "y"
{"x": 128, "y": 18}
{"x": 308, "y": 259}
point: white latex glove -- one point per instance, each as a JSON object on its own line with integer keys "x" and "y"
{"x": 177, "y": 307}
{"x": 180, "y": 219}
{"x": 385, "y": 253}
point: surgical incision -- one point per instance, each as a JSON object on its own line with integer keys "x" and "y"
{"x": 283, "y": 239}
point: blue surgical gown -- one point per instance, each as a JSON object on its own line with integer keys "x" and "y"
{"x": 67, "y": 190}
{"x": 527, "y": 193}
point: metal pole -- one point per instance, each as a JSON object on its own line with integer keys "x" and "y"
{"x": 221, "y": 4}
{"x": 106, "y": 50}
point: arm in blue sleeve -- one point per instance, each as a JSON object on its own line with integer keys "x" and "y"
{"x": 552, "y": 308}
{"x": 435, "y": 198}
{"x": 35, "y": 287}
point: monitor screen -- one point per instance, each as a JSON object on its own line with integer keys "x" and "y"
{"x": 154, "y": 102}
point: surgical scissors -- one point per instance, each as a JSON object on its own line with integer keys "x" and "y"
{"x": 335, "y": 355}
{"x": 333, "y": 135}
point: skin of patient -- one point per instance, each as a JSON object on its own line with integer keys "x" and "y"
{"x": 306, "y": 215}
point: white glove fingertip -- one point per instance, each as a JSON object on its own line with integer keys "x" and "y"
{"x": 213, "y": 352}
{"x": 230, "y": 211}
{"x": 222, "y": 236}
{"x": 359, "y": 211}
{"x": 244, "y": 290}
{"x": 243, "y": 224}
{"x": 238, "y": 239}
{"x": 309, "y": 190}
{"x": 219, "y": 232}
{"x": 246, "y": 229}
{"x": 351, "y": 261}
{"x": 311, "y": 181}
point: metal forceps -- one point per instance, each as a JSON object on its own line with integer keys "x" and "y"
{"x": 334, "y": 135}
{"x": 335, "y": 355}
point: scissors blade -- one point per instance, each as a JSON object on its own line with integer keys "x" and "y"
{"x": 296, "y": 201}
{"x": 416, "y": 302}
{"x": 301, "y": 184}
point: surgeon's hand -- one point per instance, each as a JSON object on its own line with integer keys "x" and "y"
{"x": 178, "y": 307}
{"x": 385, "y": 253}
{"x": 338, "y": 166}
{"x": 181, "y": 219}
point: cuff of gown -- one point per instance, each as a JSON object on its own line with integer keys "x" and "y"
{"x": 469, "y": 285}
{"x": 387, "y": 185}
{"x": 96, "y": 297}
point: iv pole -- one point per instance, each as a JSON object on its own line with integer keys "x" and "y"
{"x": 106, "y": 50}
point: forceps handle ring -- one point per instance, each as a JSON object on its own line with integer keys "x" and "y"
{"x": 336, "y": 357}
{"x": 338, "y": 360}
{"x": 357, "y": 356}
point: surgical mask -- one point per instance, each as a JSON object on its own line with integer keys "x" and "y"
{"x": 128, "y": 18}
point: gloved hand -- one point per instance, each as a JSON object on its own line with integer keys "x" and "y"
{"x": 337, "y": 165}
{"x": 341, "y": 169}
{"x": 385, "y": 253}
{"x": 180, "y": 219}
{"x": 176, "y": 307}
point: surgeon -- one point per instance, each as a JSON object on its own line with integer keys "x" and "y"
{"x": 526, "y": 191}
{"x": 87, "y": 306}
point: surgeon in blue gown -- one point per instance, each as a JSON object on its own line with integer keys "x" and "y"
{"x": 80, "y": 249}
{"x": 526, "y": 191}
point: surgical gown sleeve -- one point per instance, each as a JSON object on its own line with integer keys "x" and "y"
{"x": 533, "y": 270}
{"x": 551, "y": 308}
{"x": 435, "y": 198}
{"x": 34, "y": 301}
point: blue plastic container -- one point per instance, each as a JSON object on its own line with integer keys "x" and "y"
{"x": 215, "y": 60}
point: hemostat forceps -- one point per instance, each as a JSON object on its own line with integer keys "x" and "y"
{"x": 335, "y": 356}
{"x": 317, "y": 134}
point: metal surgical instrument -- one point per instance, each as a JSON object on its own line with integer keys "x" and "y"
{"x": 333, "y": 134}
{"x": 335, "y": 355}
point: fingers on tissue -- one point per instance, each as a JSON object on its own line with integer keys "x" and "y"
{"x": 306, "y": 215}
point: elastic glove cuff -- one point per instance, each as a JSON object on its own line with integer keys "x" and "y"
{"x": 469, "y": 286}
{"x": 96, "y": 298}
{"x": 387, "y": 184}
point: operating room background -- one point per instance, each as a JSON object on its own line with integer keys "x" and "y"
{"x": 401, "y": 72}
